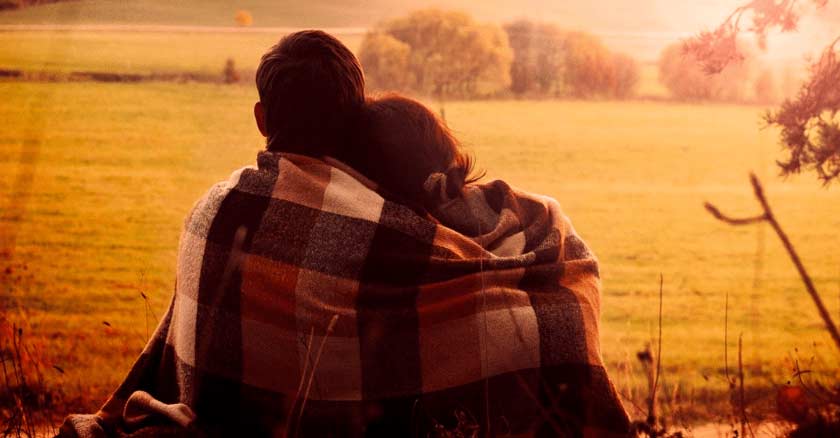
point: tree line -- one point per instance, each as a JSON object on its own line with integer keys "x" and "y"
{"x": 447, "y": 54}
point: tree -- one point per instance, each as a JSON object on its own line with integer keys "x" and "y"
{"x": 538, "y": 58}
{"x": 626, "y": 74}
{"x": 684, "y": 75}
{"x": 809, "y": 121}
{"x": 589, "y": 67}
{"x": 449, "y": 54}
{"x": 385, "y": 60}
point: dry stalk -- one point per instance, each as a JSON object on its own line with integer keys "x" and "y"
{"x": 652, "y": 407}
{"x": 312, "y": 370}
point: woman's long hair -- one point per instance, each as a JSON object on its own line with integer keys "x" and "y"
{"x": 404, "y": 143}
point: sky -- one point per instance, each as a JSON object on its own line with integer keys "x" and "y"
{"x": 645, "y": 26}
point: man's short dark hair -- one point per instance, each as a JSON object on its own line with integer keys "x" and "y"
{"x": 312, "y": 90}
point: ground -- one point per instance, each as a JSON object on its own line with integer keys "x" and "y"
{"x": 115, "y": 167}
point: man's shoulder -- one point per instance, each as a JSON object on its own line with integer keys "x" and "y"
{"x": 207, "y": 206}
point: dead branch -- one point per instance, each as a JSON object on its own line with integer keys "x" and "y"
{"x": 770, "y": 218}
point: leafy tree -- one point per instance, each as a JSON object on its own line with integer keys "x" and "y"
{"x": 449, "y": 56}
{"x": 589, "y": 68}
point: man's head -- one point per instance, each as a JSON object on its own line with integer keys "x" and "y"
{"x": 311, "y": 90}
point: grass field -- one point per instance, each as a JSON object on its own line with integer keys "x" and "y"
{"x": 136, "y": 52}
{"x": 115, "y": 167}
{"x": 118, "y": 166}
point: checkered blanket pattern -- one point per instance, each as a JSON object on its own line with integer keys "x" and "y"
{"x": 297, "y": 280}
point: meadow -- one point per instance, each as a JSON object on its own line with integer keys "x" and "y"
{"x": 114, "y": 168}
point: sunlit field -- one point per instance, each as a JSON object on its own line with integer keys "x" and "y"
{"x": 116, "y": 167}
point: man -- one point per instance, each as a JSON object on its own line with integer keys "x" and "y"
{"x": 308, "y": 304}
{"x": 311, "y": 90}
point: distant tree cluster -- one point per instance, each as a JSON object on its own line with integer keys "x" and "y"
{"x": 551, "y": 62}
{"x": 448, "y": 55}
{"x": 438, "y": 53}
{"x": 687, "y": 77}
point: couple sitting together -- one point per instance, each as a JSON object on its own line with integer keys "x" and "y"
{"x": 358, "y": 282}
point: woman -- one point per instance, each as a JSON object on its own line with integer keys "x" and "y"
{"x": 404, "y": 144}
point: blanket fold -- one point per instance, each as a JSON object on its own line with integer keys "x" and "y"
{"x": 309, "y": 304}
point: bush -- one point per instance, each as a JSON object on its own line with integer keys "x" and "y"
{"x": 231, "y": 76}
{"x": 243, "y": 18}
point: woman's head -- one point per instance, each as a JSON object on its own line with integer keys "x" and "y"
{"x": 405, "y": 143}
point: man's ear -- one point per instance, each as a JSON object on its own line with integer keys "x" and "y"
{"x": 259, "y": 115}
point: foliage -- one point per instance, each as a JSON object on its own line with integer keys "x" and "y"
{"x": 588, "y": 65}
{"x": 449, "y": 54}
{"x": 386, "y": 62}
{"x": 809, "y": 122}
{"x": 684, "y": 76}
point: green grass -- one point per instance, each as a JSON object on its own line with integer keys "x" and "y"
{"x": 119, "y": 166}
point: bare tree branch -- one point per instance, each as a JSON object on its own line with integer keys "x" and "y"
{"x": 769, "y": 217}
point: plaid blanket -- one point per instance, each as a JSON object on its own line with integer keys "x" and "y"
{"x": 308, "y": 304}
